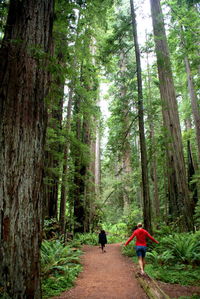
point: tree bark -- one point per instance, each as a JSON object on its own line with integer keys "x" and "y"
{"x": 144, "y": 166}
{"x": 126, "y": 168}
{"x": 152, "y": 144}
{"x": 191, "y": 169}
{"x": 194, "y": 103}
{"x": 171, "y": 119}
{"x": 80, "y": 171}
{"x": 24, "y": 79}
{"x": 65, "y": 164}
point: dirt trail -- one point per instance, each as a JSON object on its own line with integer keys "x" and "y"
{"x": 106, "y": 275}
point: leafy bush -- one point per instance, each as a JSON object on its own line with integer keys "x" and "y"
{"x": 59, "y": 266}
{"x": 112, "y": 238}
{"x": 157, "y": 258}
{"x": 87, "y": 238}
{"x": 128, "y": 251}
{"x": 197, "y": 214}
{"x": 51, "y": 229}
{"x": 175, "y": 259}
{"x": 93, "y": 238}
{"x": 184, "y": 247}
{"x": 117, "y": 232}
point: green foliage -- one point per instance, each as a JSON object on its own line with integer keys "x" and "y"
{"x": 175, "y": 259}
{"x": 116, "y": 232}
{"x": 181, "y": 274}
{"x": 160, "y": 258}
{"x": 51, "y": 229}
{"x": 128, "y": 250}
{"x": 3, "y": 16}
{"x": 180, "y": 248}
{"x": 184, "y": 247}
{"x": 59, "y": 266}
{"x": 189, "y": 297}
{"x": 197, "y": 215}
{"x": 87, "y": 238}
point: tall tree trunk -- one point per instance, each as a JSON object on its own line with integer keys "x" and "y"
{"x": 171, "y": 119}
{"x": 88, "y": 178}
{"x": 24, "y": 86}
{"x": 65, "y": 164}
{"x": 79, "y": 185}
{"x": 52, "y": 173}
{"x": 97, "y": 161}
{"x": 152, "y": 143}
{"x": 126, "y": 148}
{"x": 194, "y": 103}
{"x": 191, "y": 169}
{"x": 145, "y": 181}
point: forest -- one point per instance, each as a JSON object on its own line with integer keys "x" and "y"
{"x": 99, "y": 129}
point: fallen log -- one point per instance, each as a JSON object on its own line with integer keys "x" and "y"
{"x": 150, "y": 286}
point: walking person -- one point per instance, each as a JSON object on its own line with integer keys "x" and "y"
{"x": 102, "y": 240}
{"x": 141, "y": 245}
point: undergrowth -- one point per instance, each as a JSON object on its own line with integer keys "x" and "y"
{"x": 60, "y": 265}
{"x": 92, "y": 238}
{"x": 175, "y": 260}
{"x": 180, "y": 274}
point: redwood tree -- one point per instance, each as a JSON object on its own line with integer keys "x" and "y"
{"x": 177, "y": 184}
{"x": 144, "y": 166}
{"x": 24, "y": 77}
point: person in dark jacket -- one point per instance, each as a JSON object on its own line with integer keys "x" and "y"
{"x": 102, "y": 240}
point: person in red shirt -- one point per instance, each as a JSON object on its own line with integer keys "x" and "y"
{"x": 141, "y": 245}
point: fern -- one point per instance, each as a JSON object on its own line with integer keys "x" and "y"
{"x": 59, "y": 266}
{"x": 183, "y": 246}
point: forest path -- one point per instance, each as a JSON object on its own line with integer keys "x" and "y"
{"x": 106, "y": 275}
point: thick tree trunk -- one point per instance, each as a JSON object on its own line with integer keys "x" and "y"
{"x": 171, "y": 118}
{"x": 145, "y": 181}
{"x": 24, "y": 86}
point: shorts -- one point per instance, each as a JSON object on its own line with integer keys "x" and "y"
{"x": 141, "y": 251}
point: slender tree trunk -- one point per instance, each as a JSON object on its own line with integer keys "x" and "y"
{"x": 191, "y": 169}
{"x": 145, "y": 181}
{"x": 79, "y": 174}
{"x": 23, "y": 88}
{"x": 88, "y": 178}
{"x": 171, "y": 119}
{"x": 91, "y": 188}
{"x": 97, "y": 161}
{"x": 126, "y": 148}
{"x": 65, "y": 164}
{"x": 194, "y": 103}
{"x": 152, "y": 144}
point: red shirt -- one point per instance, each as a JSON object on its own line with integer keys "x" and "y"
{"x": 141, "y": 235}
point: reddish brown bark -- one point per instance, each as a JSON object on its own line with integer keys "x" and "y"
{"x": 178, "y": 189}
{"x": 24, "y": 85}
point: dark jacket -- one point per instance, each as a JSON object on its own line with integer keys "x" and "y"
{"x": 102, "y": 238}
